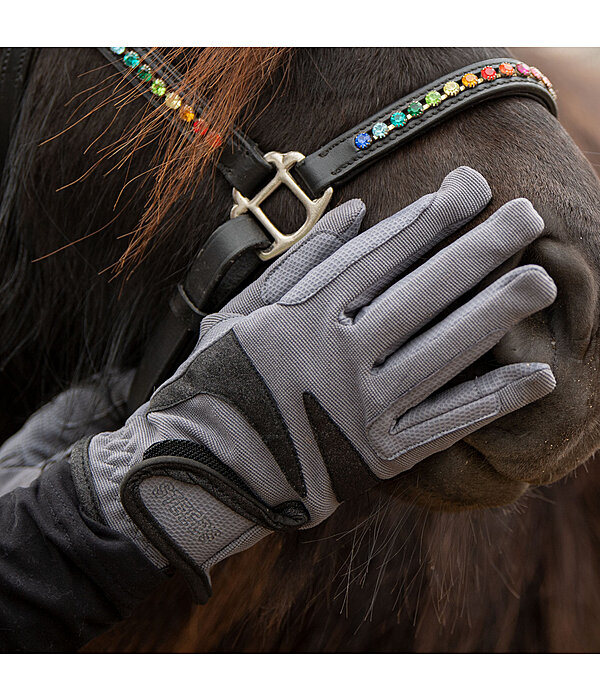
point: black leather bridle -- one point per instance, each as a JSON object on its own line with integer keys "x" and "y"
{"x": 238, "y": 248}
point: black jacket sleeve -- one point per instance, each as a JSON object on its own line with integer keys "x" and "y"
{"x": 64, "y": 578}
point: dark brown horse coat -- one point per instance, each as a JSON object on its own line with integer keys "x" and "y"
{"x": 417, "y": 565}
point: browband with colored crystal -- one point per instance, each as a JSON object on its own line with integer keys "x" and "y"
{"x": 346, "y": 155}
{"x": 242, "y": 163}
{"x": 450, "y": 89}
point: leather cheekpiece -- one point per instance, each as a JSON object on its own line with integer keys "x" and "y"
{"x": 221, "y": 267}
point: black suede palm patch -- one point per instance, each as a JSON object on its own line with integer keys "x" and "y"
{"x": 349, "y": 474}
{"x": 224, "y": 370}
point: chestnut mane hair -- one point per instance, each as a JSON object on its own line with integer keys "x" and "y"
{"x": 112, "y": 205}
{"x": 232, "y": 80}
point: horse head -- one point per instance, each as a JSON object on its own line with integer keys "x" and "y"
{"x": 311, "y": 96}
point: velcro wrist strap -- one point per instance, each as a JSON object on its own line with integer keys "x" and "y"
{"x": 179, "y": 511}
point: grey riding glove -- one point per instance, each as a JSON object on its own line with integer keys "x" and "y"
{"x": 322, "y": 378}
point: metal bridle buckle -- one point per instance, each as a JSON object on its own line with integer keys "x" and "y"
{"x": 283, "y": 162}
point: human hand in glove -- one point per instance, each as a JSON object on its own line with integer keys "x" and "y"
{"x": 322, "y": 378}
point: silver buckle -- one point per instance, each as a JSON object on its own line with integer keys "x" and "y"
{"x": 314, "y": 208}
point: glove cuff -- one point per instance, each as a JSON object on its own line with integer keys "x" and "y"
{"x": 154, "y": 496}
{"x": 82, "y": 478}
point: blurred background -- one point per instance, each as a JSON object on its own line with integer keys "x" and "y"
{"x": 575, "y": 73}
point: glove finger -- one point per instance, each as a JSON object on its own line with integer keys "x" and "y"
{"x": 365, "y": 266}
{"x": 430, "y": 360}
{"x": 442, "y": 420}
{"x": 403, "y": 309}
{"x": 336, "y": 228}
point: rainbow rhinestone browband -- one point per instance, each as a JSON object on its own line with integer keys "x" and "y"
{"x": 451, "y": 88}
{"x": 184, "y": 111}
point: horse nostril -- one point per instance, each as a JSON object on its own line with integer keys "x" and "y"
{"x": 575, "y": 312}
